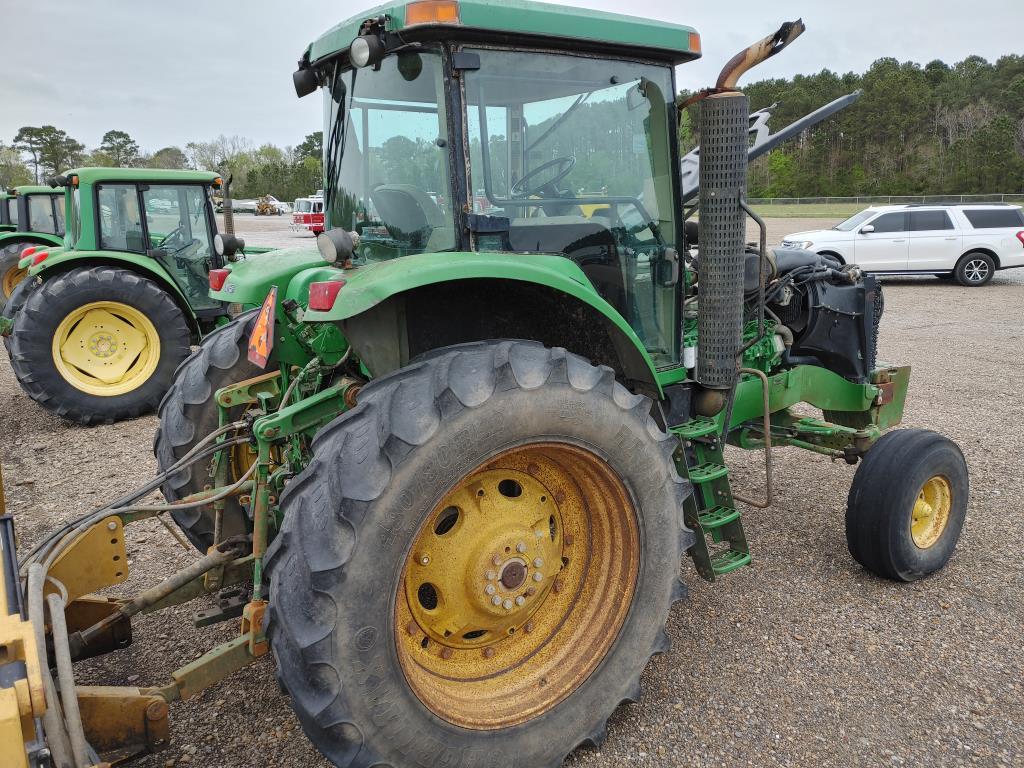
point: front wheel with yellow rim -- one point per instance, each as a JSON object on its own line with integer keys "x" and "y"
{"x": 478, "y": 562}
{"x": 907, "y": 504}
{"x": 98, "y": 344}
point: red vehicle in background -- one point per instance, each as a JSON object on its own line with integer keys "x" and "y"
{"x": 308, "y": 214}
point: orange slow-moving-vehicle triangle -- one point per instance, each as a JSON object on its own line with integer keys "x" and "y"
{"x": 261, "y": 340}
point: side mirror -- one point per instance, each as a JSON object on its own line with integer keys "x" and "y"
{"x": 867, "y": 229}
{"x": 305, "y": 82}
{"x": 227, "y": 245}
{"x": 337, "y": 245}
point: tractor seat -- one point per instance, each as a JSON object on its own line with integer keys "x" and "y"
{"x": 408, "y": 212}
{"x": 558, "y": 234}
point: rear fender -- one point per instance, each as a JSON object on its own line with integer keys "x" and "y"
{"x": 376, "y": 308}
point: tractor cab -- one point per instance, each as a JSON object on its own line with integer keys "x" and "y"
{"x": 447, "y": 138}
{"x": 30, "y": 216}
{"x": 161, "y": 219}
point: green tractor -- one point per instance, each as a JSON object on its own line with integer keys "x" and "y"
{"x": 110, "y": 308}
{"x": 30, "y": 216}
{"x": 448, "y": 482}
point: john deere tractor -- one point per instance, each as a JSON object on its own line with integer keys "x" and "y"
{"x": 449, "y": 482}
{"x": 112, "y": 306}
{"x": 29, "y": 216}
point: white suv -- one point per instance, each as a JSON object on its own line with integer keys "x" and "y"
{"x": 966, "y": 243}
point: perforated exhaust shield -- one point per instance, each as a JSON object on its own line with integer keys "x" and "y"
{"x": 723, "y": 179}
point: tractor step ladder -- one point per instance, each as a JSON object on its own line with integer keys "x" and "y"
{"x": 710, "y": 511}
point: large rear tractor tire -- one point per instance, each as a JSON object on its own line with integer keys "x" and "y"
{"x": 16, "y": 301}
{"x": 98, "y": 344}
{"x": 478, "y": 562}
{"x": 188, "y": 413}
{"x": 10, "y": 274}
{"x": 907, "y": 504}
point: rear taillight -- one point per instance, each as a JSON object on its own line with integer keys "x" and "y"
{"x": 1020, "y": 236}
{"x": 40, "y": 257}
{"x": 217, "y": 278}
{"x": 28, "y": 251}
{"x": 323, "y": 295}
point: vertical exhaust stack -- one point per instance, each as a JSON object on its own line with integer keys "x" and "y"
{"x": 229, "y": 213}
{"x": 724, "y": 129}
{"x": 724, "y": 125}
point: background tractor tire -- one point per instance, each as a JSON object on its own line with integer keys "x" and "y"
{"x": 974, "y": 269}
{"x": 10, "y": 275}
{"x": 188, "y": 413}
{"x": 378, "y": 475}
{"x": 907, "y": 504}
{"x": 16, "y": 301}
{"x": 106, "y": 316}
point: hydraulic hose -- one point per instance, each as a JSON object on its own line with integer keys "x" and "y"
{"x": 66, "y": 679}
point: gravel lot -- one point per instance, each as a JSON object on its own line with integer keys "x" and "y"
{"x": 802, "y": 659}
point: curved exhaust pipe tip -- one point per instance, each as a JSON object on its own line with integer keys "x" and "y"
{"x": 760, "y": 51}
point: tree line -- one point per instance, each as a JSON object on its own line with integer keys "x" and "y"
{"x": 935, "y": 129}
{"x": 38, "y": 152}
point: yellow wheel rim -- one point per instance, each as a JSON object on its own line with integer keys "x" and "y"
{"x": 11, "y": 278}
{"x": 931, "y": 512}
{"x": 517, "y": 585}
{"x": 106, "y": 348}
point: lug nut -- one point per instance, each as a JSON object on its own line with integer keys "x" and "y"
{"x": 520, "y": 600}
{"x": 446, "y": 653}
{"x": 411, "y": 628}
{"x": 539, "y": 534}
{"x": 531, "y": 592}
{"x": 507, "y": 605}
{"x": 520, "y": 547}
{"x": 528, "y": 627}
{"x": 489, "y": 589}
{"x": 568, "y": 539}
{"x": 538, "y": 576}
{"x": 491, "y": 575}
{"x": 537, "y": 563}
{"x": 488, "y": 652}
{"x": 424, "y": 559}
{"x": 496, "y": 560}
{"x": 495, "y": 600}
{"x": 111, "y": 526}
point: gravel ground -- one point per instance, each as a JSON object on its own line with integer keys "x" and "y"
{"x": 802, "y": 659}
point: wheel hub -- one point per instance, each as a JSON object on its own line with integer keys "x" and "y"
{"x": 931, "y": 512}
{"x": 516, "y": 585}
{"x": 487, "y": 562}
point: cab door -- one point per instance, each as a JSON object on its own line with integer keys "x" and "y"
{"x": 935, "y": 244}
{"x": 883, "y": 244}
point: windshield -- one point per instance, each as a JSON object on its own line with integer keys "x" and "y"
{"x": 575, "y": 152}
{"x": 855, "y": 221}
{"x": 303, "y": 206}
{"x": 387, "y": 156}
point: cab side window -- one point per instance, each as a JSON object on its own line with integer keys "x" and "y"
{"x": 120, "y": 218}
{"x": 40, "y": 215}
{"x": 890, "y": 222}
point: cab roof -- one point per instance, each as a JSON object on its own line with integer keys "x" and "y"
{"x": 37, "y": 189}
{"x": 520, "y": 22}
{"x": 97, "y": 175}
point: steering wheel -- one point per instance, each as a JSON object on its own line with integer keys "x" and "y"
{"x": 521, "y": 189}
{"x": 177, "y": 232}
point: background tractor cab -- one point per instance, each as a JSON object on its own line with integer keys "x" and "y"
{"x": 29, "y": 216}
{"x": 308, "y": 214}
{"x": 109, "y": 313}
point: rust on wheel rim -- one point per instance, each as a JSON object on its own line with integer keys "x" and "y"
{"x": 517, "y": 585}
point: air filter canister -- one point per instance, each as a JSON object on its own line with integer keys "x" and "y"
{"x": 724, "y": 125}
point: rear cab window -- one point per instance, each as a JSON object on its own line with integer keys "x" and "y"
{"x": 41, "y": 215}
{"x": 994, "y": 218}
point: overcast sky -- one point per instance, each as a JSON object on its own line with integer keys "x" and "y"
{"x": 174, "y": 72}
